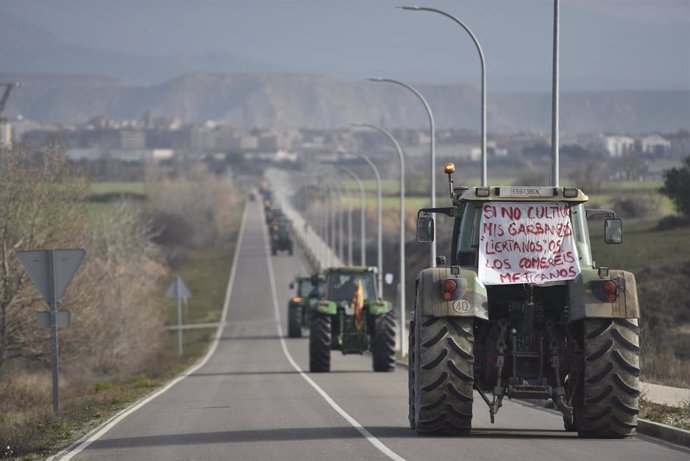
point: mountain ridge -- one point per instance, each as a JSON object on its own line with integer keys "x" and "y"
{"x": 293, "y": 100}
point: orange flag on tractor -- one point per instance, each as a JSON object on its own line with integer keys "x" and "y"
{"x": 358, "y": 304}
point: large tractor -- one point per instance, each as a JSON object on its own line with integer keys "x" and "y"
{"x": 522, "y": 311}
{"x": 351, "y": 318}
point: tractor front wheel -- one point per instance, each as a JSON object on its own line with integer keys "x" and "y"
{"x": 320, "y": 343}
{"x": 384, "y": 343}
{"x": 294, "y": 321}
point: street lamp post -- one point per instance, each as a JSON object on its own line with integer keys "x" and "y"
{"x": 330, "y": 252}
{"x": 481, "y": 58}
{"x": 378, "y": 219}
{"x": 362, "y": 216}
{"x": 555, "y": 98}
{"x": 432, "y": 135}
{"x": 348, "y": 191}
{"x": 401, "y": 157}
{"x": 324, "y": 227}
{"x": 339, "y": 217}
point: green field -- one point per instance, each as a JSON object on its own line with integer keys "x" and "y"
{"x": 644, "y": 246}
{"x": 101, "y": 188}
{"x": 610, "y": 191}
{"x": 105, "y": 194}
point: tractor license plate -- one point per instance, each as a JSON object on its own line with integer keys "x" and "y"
{"x": 525, "y": 191}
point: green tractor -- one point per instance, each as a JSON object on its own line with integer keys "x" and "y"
{"x": 309, "y": 292}
{"x": 353, "y": 319}
{"x": 522, "y": 311}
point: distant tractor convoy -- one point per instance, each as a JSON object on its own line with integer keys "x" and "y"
{"x": 278, "y": 225}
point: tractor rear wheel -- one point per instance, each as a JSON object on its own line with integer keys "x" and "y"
{"x": 444, "y": 374}
{"x": 611, "y": 383}
{"x": 384, "y": 343}
{"x": 295, "y": 320}
{"x": 320, "y": 343}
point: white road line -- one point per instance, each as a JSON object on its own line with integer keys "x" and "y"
{"x": 81, "y": 444}
{"x": 353, "y": 422}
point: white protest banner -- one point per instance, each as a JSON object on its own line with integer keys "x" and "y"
{"x": 526, "y": 243}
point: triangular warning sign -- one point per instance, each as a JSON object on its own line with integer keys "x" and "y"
{"x": 178, "y": 284}
{"x": 65, "y": 265}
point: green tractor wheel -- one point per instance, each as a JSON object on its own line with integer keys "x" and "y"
{"x": 410, "y": 376}
{"x": 294, "y": 321}
{"x": 610, "y": 389}
{"x": 320, "y": 343}
{"x": 444, "y": 375}
{"x": 384, "y": 343}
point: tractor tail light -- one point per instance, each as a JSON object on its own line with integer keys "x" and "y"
{"x": 610, "y": 290}
{"x": 449, "y": 287}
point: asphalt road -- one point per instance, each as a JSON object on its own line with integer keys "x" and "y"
{"x": 250, "y": 401}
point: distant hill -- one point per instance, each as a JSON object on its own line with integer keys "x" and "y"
{"x": 301, "y": 100}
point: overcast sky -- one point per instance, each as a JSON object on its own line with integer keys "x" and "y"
{"x": 605, "y": 44}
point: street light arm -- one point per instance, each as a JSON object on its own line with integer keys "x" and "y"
{"x": 432, "y": 159}
{"x": 390, "y": 137}
{"x": 483, "y": 64}
{"x": 429, "y": 113}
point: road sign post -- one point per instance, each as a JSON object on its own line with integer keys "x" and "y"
{"x": 52, "y": 271}
{"x": 180, "y": 292}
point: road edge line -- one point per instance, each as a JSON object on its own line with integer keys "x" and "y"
{"x": 81, "y": 444}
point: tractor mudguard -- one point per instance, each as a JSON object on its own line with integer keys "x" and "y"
{"x": 327, "y": 307}
{"x": 380, "y": 306}
{"x": 588, "y": 299}
{"x": 469, "y": 299}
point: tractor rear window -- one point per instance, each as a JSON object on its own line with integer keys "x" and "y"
{"x": 342, "y": 286}
{"x": 305, "y": 288}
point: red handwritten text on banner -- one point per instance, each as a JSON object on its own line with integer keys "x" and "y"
{"x": 526, "y": 243}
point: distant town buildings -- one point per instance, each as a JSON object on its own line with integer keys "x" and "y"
{"x": 158, "y": 138}
{"x": 617, "y": 146}
{"x": 655, "y": 144}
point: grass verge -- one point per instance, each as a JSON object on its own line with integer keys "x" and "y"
{"x": 671, "y": 416}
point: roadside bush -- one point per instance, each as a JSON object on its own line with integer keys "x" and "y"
{"x": 632, "y": 206}
{"x": 119, "y": 329}
{"x": 677, "y": 186}
{"x": 671, "y": 222}
{"x": 192, "y": 210}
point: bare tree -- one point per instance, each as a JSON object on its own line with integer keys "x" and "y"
{"x": 42, "y": 204}
{"x": 118, "y": 325}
